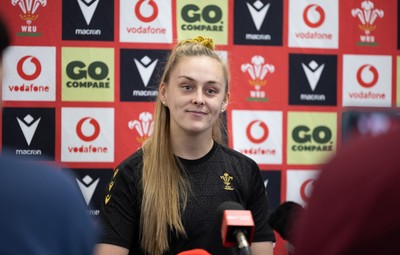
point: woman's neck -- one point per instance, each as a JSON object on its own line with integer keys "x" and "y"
{"x": 191, "y": 147}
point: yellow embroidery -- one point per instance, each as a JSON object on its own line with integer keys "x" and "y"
{"x": 110, "y": 185}
{"x": 115, "y": 172}
{"x": 108, "y": 197}
{"x": 227, "y": 181}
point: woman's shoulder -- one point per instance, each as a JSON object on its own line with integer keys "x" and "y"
{"x": 132, "y": 164}
{"x": 229, "y": 152}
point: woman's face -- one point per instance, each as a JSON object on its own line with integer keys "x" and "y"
{"x": 195, "y": 95}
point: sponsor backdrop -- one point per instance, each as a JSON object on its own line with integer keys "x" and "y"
{"x": 81, "y": 77}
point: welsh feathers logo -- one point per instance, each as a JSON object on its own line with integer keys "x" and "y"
{"x": 144, "y": 126}
{"x": 29, "y": 14}
{"x": 367, "y": 16}
{"x": 257, "y": 71}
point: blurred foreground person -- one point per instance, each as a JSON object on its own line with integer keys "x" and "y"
{"x": 42, "y": 211}
{"x": 353, "y": 209}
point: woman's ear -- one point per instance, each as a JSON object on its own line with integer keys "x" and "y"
{"x": 225, "y": 102}
{"x": 163, "y": 93}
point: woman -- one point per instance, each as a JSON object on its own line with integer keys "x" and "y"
{"x": 163, "y": 198}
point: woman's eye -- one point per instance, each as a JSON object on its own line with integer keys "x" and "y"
{"x": 186, "y": 87}
{"x": 211, "y": 91}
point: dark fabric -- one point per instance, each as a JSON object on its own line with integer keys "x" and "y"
{"x": 353, "y": 209}
{"x": 284, "y": 219}
{"x": 120, "y": 216}
{"x": 42, "y": 211}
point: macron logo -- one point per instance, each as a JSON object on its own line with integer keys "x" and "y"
{"x": 146, "y": 68}
{"x": 258, "y": 11}
{"x": 28, "y": 127}
{"x": 313, "y": 73}
{"x": 88, "y": 7}
{"x": 87, "y": 187}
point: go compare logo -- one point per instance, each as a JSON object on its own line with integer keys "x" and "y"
{"x": 88, "y": 74}
{"x": 311, "y": 137}
{"x": 203, "y": 16}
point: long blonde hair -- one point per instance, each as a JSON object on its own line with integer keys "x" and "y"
{"x": 165, "y": 185}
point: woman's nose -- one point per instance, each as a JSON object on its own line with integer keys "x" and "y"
{"x": 198, "y": 98}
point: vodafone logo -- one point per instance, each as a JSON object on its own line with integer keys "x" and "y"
{"x": 367, "y": 76}
{"x": 257, "y": 131}
{"x": 88, "y": 129}
{"x": 313, "y": 15}
{"x": 29, "y": 68}
{"x": 94, "y": 139}
{"x": 146, "y": 10}
{"x": 306, "y": 189}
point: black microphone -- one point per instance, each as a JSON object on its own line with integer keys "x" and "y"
{"x": 237, "y": 226}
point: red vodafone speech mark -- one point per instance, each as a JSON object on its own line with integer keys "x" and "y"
{"x": 261, "y": 125}
{"x": 150, "y": 18}
{"x": 318, "y": 9}
{"x": 303, "y": 188}
{"x": 21, "y": 72}
{"x": 95, "y": 125}
{"x": 374, "y": 72}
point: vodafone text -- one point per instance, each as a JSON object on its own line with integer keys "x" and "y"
{"x": 28, "y": 88}
{"x": 313, "y": 35}
{"x": 367, "y": 95}
{"x": 87, "y": 149}
{"x": 146, "y": 30}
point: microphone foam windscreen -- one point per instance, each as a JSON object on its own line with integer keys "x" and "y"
{"x": 194, "y": 252}
{"x": 228, "y": 205}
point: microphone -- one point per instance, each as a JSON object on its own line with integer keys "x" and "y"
{"x": 194, "y": 252}
{"x": 237, "y": 226}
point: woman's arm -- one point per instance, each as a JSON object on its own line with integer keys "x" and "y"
{"x": 262, "y": 248}
{"x": 109, "y": 249}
